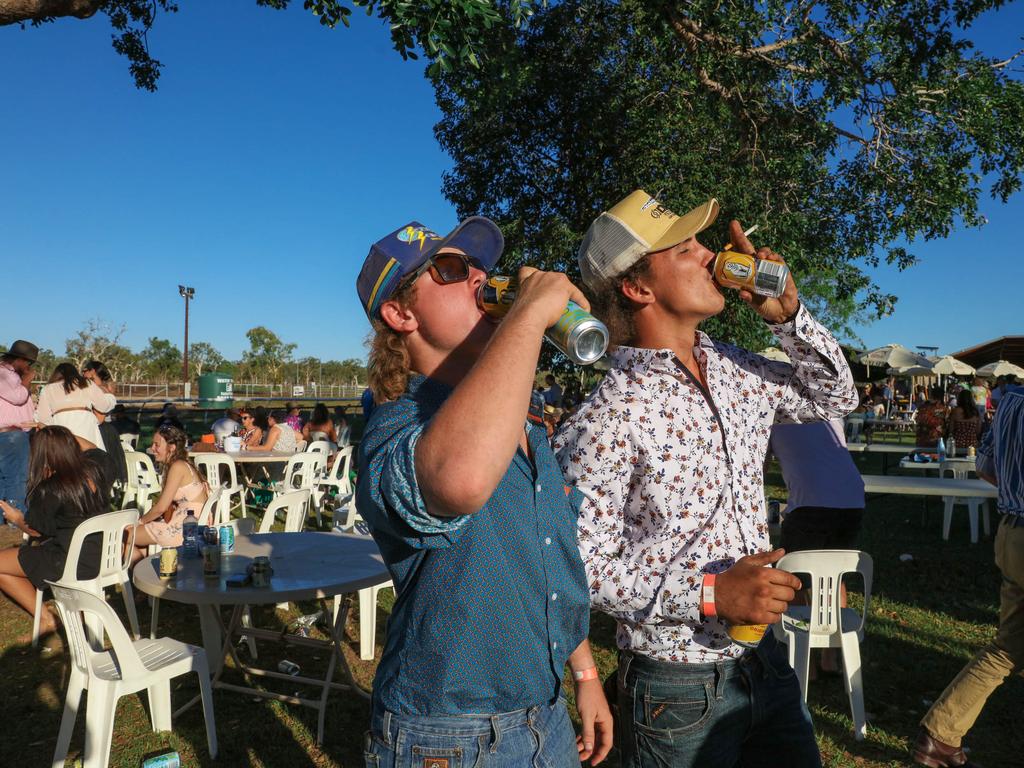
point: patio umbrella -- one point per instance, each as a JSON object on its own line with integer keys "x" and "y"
{"x": 893, "y": 356}
{"x": 1000, "y": 368}
{"x": 911, "y": 370}
{"x": 947, "y": 365}
{"x": 774, "y": 353}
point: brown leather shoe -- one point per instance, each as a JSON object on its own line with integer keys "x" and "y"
{"x": 933, "y": 753}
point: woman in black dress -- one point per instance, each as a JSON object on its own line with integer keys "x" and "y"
{"x": 66, "y": 485}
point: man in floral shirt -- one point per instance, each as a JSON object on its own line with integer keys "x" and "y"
{"x": 669, "y": 452}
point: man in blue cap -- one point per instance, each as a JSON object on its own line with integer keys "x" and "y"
{"x": 468, "y": 506}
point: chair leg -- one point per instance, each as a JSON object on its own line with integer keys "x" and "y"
{"x": 800, "y": 643}
{"x": 249, "y": 639}
{"x": 129, "y": 607}
{"x": 99, "y": 726}
{"x": 854, "y": 682}
{"x": 947, "y": 516}
{"x": 160, "y": 704}
{"x": 205, "y": 692}
{"x": 985, "y": 520}
{"x": 67, "y": 720}
{"x": 972, "y": 514}
{"x": 35, "y": 619}
{"x": 154, "y": 617}
{"x": 367, "y": 622}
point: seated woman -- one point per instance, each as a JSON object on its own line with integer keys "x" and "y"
{"x": 251, "y": 434}
{"x": 281, "y": 437}
{"x": 931, "y": 419}
{"x": 319, "y": 426}
{"x": 965, "y": 422}
{"x": 70, "y": 400}
{"x": 183, "y": 489}
{"x": 66, "y": 484}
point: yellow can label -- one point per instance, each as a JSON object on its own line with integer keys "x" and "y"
{"x": 737, "y": 269}
{"x": 747, "y": 634}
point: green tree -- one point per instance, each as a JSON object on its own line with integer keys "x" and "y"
{"x": 847, "y": 132}
{"x": 95, "y": 340}
{"x": 267, "y": 355}
{"x": 161, "y": 360}
{"x": 448, "y": 31}
{"x": 203, "y": 356}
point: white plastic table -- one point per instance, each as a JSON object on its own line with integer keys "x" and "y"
{"x": 306, "y": 565}
{"x": 929, "y": 486}
{"x": 964, "y": 462}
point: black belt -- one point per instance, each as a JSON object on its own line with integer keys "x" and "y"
{"x": 1013, "y": 521}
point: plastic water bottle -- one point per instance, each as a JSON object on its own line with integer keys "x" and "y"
{"x": 940, "y": 448}
{"x": 190, "y": 534}
{"x": 952, "y": 448}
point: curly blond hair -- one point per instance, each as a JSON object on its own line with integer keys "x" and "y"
{"x": 611, "y": 306}
{"x": 389, "y": 363}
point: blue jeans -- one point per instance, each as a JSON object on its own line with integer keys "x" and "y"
{"x": 742, "y": 712}
{"x": 14, "y": 467}
{"x": 538, "y": 737}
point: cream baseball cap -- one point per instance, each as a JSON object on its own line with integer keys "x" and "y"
{"x": 636, "y": 226}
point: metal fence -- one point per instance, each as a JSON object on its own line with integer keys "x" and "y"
{"x": 244, "y": 391}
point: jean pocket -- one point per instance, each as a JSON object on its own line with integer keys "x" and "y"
{"x": 673, "y": 711}
{"x": 421, "y": 756}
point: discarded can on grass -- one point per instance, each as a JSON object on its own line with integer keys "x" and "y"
{"x": 168, "y": 562}
{"x": 288, "y": 667}
{"x": 166, "y": 760}
{"x": 227, "y": 539}
{"x": 578, "y": 334}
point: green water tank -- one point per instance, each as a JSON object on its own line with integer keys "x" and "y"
{"x": 215, "y": 390}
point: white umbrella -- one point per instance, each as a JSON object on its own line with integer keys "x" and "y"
{"x": 1000, "y": 368}
{"x": 774, "y": 353}
{"x": 911, "y": 370}
{"x": 893, "y": 356}
{"x": 947, "y": 365}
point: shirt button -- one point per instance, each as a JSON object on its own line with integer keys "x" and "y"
{"x": 554, "y": 646}
{"x": 537, "y": 488}
{"x": 547, "y": 541}
{"x": 554, "y": 595}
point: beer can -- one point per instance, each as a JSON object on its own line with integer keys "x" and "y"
{"x": 166, "y": 760}
{"x": 261, "y": 571}
{"x": 227, "y": 539}
{"x": 168, "y": 562}
{"x": 288, "y": 667}
{"x": 741, "y": 270}
{"x": 578, "y": 334}
{"x": 747, "y": 635}
{"x": 211, "y": 560}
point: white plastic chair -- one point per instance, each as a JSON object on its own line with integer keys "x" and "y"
{"x": 143, "y": 478}
{"x": 129, "y": 440}
{"x": 367, "y": 597}
{"x": 129, "y": 666}
{"x": 960, "y": 471}
{"x": 295, "y": 506}
{"x": 337, "y": 480}
{"x": 114, "y": 562}
{"x": 215, "y": 467}
{"x": 326, "y": 447}
{"x": 824, "y": 624}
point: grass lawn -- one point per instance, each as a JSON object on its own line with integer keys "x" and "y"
{"x": 928, "y": 616}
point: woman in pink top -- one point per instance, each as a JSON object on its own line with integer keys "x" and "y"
{"x": 183, "y": 489}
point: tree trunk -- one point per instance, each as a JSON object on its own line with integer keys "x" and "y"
{"x": 17, "y": 11}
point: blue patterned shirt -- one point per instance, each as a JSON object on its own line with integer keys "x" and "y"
{"x": 1001, "y": 452}
{"x": 488, "y": 606}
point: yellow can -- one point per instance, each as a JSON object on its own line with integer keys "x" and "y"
{"x": 747, "y": 635}
{"x": 741, "y": 270}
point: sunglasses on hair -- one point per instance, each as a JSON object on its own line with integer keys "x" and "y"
{"x": 445, "y": 268}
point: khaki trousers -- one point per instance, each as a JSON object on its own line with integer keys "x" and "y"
{"x": 955, "y": 711}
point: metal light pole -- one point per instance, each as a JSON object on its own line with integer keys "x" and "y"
{"x": 187, "y": 292}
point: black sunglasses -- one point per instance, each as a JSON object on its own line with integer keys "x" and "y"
{"x": 445, "y": 268}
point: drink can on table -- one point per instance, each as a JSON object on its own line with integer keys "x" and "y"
{"x": 168, "y": 563}
{"x": 227, "y": 539}
{"x": 211, "y": 560}
{"x": 261, "y": 571}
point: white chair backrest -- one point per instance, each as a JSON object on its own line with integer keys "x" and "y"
{"x": 114, "y": 556}
{"x": 826, "y": 568}
{"x": 959, "y": 469}
{"x": 344, "y": 436}
{"x": 302, "y": 470}
{"x": 129, "y": 440}
{"x": 219, "y": 469}
{"x": 338, "y": 476}
{"x": 212, "y": 507}
{"x": 295, "y": 504}
{"x": 320, "y": 446}
{"x": 147, "y": 481}
{"x": 71, "y": 603}
{"x": 352, "y": 521}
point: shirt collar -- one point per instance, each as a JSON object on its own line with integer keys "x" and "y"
{"x": 644, "y": 359}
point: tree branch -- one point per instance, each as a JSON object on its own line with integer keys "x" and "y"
{"x": 19, "y": 11}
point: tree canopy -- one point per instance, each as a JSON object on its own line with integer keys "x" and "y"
{"x": 844, "y": 130}
{"x": 449, "y": 32}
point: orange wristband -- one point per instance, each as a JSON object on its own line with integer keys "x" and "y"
{"x": 707, "y": 596}
{"x": 579, "y": 675}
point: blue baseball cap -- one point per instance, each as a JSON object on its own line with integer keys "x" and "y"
{"x": 393, "y": 257}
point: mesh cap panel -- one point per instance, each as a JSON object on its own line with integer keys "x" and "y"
{"x": 609, "y": 249}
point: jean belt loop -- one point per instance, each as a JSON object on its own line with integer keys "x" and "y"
{"x": 720, "y": 679}
{"x": 624, "y": 662}
{"x": 495, "y": 734}
{"x": 387, "y": 728}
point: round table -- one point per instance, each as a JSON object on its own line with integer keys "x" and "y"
{"x": 306, "y": 565}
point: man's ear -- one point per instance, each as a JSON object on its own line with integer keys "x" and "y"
{"x": 637, "y": 291}
{"x": 397, "y": 317}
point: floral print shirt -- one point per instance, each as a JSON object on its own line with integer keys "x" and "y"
{"x": 673, "y": 479}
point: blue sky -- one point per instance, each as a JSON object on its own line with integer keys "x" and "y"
{"x": 273, "y": 153}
